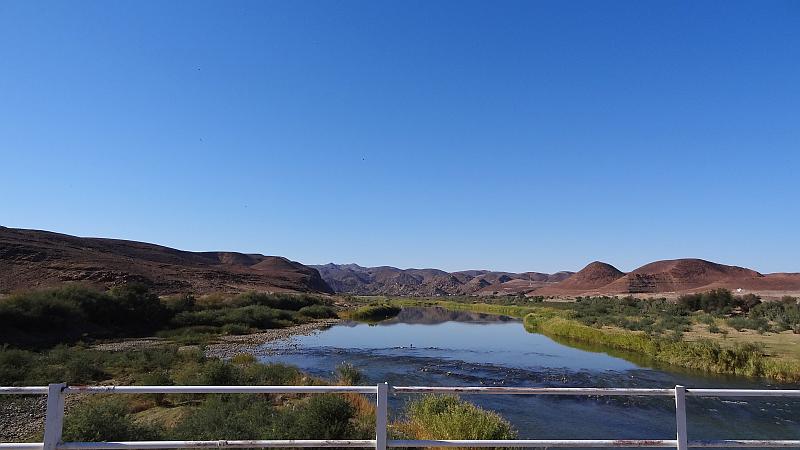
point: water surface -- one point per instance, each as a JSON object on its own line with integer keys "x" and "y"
{"x": 439, "y": 347}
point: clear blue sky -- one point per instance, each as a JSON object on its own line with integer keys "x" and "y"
{"x": 515, "y": 135}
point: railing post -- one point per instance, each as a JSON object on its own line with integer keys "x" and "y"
{"x": 381, "y": 416}
{"x": 680, "y": 417}
{"x": 54, "y": 416}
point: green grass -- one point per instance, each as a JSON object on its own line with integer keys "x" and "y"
{"x": 448, "y": 417}
{"x": 706, "y": 355}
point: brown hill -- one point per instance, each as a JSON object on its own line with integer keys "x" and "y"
{"x": 671, "y": 277}
{"x": 681, "y": 275}
{"x": 35, "y": 259}
{"x": 594, "y": 276}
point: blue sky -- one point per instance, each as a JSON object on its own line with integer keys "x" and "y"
{"x": 516, "y": 135}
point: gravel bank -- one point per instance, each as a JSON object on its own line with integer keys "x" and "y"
{"x": 229, "y": 346}
{"x": 22, "y": 416}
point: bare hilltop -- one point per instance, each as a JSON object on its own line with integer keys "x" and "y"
{"x": 32, "y": 259}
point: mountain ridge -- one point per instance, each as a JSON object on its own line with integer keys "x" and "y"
{"x": 31, "y": 259}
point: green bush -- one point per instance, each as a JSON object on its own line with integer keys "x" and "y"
{"x": 227, "y": 417}
{"x": 348, "y": 374}
{"x": 253, "y": 417}
{"x": 105, "y": 419}
{"x": 448, "y": 417}
{"x": 718, "y": 301}
{"x": 653, "y": 316}
{"x": 375, "y": 313}
{"x": 255, "y": 316}
{"x": 740, "y": 323}
{"x": 15, "y": 366}
{"x": 318, "y": 312}
{"x": 235, "y": 328}
{"x": 68, "y": 314}
{"x": 271, "y": 375}
{"x": 323, "y": 416}
{"x": 291, "y": 302}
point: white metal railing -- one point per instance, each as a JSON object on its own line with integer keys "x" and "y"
{"x": 54, "y": 417}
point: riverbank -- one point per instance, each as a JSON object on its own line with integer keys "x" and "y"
{"x": 232, "y": 345}
{"x": 723, "y": 353}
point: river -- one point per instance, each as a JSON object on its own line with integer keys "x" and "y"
{"x": 439, "y": 347}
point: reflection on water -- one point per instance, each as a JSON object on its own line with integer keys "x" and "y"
{"x": 435, "y": 346}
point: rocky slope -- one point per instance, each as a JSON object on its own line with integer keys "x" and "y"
{"x": 31, "y": 259}
{"x": 385, "y": 280}
{"x": 598, "y": 278}
{"x": 673, "y": 276}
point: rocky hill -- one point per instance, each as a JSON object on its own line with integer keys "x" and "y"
{"x": 31, "y": 259}
{"x": 598, "y": 278}
{"x": 385, "y": 280}
{"x": 673, "y": 276}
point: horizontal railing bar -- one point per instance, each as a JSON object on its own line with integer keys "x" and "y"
{"x": 529, "y": 390}
{"x": 743, "y": 392}
{"x": 593, "y": 443}
{"x": 744, "y": 443}
{"x": 220, "y": 389}
{"x": 143, "y": 445}
{"x": 588, "y": 443}
{"x": 356, "y": 443}
{"x": 22, "y": 390}
{"x": 42, "y": 390}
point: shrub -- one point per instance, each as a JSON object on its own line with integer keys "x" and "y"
{"x": 244, "y": 359}
{"x": 227, "y": 417}
{"x": 348, "y": 374}
{"x": 235, "y": 328}
{"x": 15, "y": 365}
{"x": 448, "y": 417}
{"x": 323, "y": 416}
{"x": 718, "y": 301}
{"x": 291, "y": 302}
{"x": 375, "y": 313}
{"x": 68, "y": 314}
{"x": 105, "y": 419}
{"x": 318, "y": 312}
{"x": 740, "y": 323}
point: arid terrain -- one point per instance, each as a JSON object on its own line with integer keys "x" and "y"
{"x": 668, "y": 277}
{"x": 31, "y": 259}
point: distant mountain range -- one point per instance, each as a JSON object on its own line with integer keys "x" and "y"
{"x": 31, "y": 259}
{"x": 385, "y": 280}
{"x": 597, "y": 278}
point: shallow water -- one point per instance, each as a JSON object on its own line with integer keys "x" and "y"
{"x": 438, "y": 347}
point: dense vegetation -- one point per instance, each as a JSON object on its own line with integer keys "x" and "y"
{"x": 659, "y": 316}
{"x": 653, "y": 316}
{"x": 71, "y": 314}
{"x": 375, "y": 312}
{"x": 141, "y": 417}
{"x": 211, "y": 417}
{"x": 706, "y": 355}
